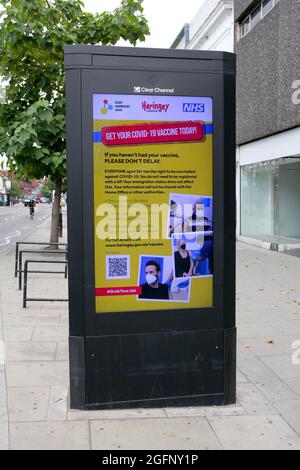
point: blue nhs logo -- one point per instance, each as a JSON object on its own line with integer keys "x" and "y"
{"x": 193, "y": 107}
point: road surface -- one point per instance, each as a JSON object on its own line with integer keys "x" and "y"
{"x": 16, "y": 224}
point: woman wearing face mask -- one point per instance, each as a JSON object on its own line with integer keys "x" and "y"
{"x": 183, "y": 262}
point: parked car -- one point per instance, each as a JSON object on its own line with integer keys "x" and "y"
{"x": 45, "y": 199}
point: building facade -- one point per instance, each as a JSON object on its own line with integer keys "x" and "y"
{"x": 265, "y": 34}
{"x": 267, "y": 44}
{"x": 212, "y": 28}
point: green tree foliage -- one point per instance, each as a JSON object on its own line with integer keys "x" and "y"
{"x": 33, "y": 34}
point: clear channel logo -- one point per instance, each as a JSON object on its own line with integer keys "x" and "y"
{"x": 143, "y": 89}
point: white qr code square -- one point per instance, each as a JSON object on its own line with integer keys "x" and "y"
{"x": 118, "y": 267}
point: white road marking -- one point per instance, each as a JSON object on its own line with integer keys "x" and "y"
{"x": 16, "y": 235}
{"x": 9, "y": 237}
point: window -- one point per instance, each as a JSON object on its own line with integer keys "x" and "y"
{"x": 256, "y": 15}
{"x": 267, "y": 5}
{"x": 246, "y": 26}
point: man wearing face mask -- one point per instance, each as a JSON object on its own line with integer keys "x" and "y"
{"x": 152, "y": 289}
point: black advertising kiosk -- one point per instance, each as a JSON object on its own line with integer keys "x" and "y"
{"x": 151, "y": 227}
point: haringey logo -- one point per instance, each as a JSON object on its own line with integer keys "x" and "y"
{"x": 193, "y": 107}
{"x": 143, "y": 89}
{"x": 106, "y": 107}
{"x": 155, "y": 107}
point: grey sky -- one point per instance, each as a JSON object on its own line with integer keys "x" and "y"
{"x": 166, "y": 17}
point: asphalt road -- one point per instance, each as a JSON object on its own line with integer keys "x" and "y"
{"x": 16, "y": 224}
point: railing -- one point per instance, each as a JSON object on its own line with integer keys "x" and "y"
{"x": 31, "y": 243}
{"x": 62, "y": 252}
{"x": 26, "y": 271}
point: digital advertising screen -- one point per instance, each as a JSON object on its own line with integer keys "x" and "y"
{"x": 153, "y": 202}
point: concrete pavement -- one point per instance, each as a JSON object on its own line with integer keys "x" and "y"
{"x": 34, "y": 412}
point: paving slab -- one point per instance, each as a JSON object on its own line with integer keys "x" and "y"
{"x": 37, "y": 374}
{"x": 50, "y": 436}
{"x": 283, "y": 366}
{"x": 240, "y": 377}
{"x": 17, "y": 333}
{"x": 58, "y": 404}
{"x": 290, "y": 411}
{"x": 272, "y": 387}
{"x": 256, "y": 330}
{"x": 253, "y": 401}
{"x": 152, "y": 434}
{"x": 31, "y": 320}
{"x": 30, "y": 351}
{"x": 54, "y": 333}
{"x": 285, "y": 342}
{"x": 62, "y": 351}
{"x": 4, "y": 436}
{"x": 231, "y": 410}
{"x": 254, "y": 433}
{"x": 27, "y": 403}
{"x": 261, "y": 346}
{"x": 294, "y": 385}
{"x": 138, "y": 413}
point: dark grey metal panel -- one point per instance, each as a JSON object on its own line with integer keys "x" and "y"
{"x": 78, "y": 59}
{"x": 75, "y": 229}
{"x": 147, "y": 52}
{"x": 155, "y": 63}
{"x": 132, "y": 368}
{"x": 230, "y": 366}
{"x": 77, "y": 372}
{"x": 268, "y": 62}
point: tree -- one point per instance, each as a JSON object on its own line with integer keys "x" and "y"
{"x": 33, "y": 34}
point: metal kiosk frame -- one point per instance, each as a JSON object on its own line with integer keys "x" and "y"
{"x": 157, "y": 358}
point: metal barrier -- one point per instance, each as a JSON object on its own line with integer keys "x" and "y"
{"x": 20, "y": 271}
{"x": 35, "y": 299}
{"x": 31, "y": 243}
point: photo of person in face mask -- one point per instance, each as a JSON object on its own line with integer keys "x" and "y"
{"x": 196, "y": 222}
{"x": 152, "y": 289}
{"x": 183, "y": 262}
{"x": 176, "y": 220}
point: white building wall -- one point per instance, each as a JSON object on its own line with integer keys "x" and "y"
{"x": 285, "y": 144}
{"x": 213, "y": 26}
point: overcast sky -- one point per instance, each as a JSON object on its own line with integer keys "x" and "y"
{"x": 166, "y": 17}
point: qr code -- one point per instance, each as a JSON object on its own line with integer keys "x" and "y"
{"x": 118, "y": 267}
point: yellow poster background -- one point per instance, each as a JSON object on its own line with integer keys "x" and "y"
{"x": 191, "y": 156}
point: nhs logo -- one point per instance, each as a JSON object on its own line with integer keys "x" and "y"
{"x": 193, "y": 107}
